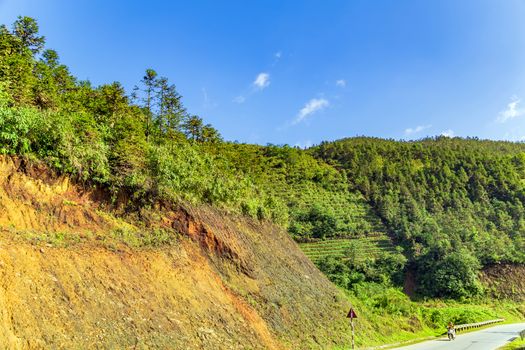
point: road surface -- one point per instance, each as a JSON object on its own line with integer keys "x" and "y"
{"x": 486, "y": 339}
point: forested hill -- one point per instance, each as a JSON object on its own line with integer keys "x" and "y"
{"x": 453, "y": 204}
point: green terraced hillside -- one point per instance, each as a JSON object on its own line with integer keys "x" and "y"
{"x": 359, "y": 248}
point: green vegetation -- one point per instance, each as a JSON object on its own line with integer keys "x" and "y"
{"x": 517, "y": 344}
{"x": 307, "y": 195}
{"x": 451, "y": 206}
{"x": 147, "y": 146}
{"x": 117, "y": 239}
{"x": 363, "y": 248}
{"x": 387, "y": 316}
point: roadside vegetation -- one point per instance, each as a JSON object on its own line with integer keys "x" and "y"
{"x": 390, "y": 317}
{"x": 517, "y": 344}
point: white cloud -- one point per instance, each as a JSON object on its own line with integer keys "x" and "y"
{"x": 417, "y": 129}
{"x": 278, "y": 55}
{"x": 239, "y": 99}
{"x": 262, "y": 81}
{"x": 448, "y": 133}
{"x": 312, "y": 106}
{"x": 512, "y": 111}
{"x": 341, "y": 83}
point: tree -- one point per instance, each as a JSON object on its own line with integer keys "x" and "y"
{"x": 171, "y": 110}
{"x": 150, "y": 83}
{"x": 16, "y": 68}
{"x": 50, "y": 58}
{"x": 453, "y": 276}
{"x": 110, "y": 102}
{"x": 192, "y": 128}
{"x": 210, "y": 134}
{"x": 26, "y": 29}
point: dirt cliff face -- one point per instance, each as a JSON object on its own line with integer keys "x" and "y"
{"x": 505, "y": 281}
{"x": 219, "y": 282}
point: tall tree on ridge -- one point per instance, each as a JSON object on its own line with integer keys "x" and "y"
{"x": 171, "y": 110}
{"x": 26, "y": 29}
{"x": 150, "y": 82}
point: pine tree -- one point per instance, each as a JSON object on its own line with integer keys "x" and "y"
{"x": 26, "y": 29}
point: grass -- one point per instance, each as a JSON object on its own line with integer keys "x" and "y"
{"x": 387, "y": 316}
{"x": 126, "y": 235}
{"x": 136, "y": 238}
{"x": 516, "y": 344}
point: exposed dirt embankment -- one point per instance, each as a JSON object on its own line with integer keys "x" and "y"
{"x": 32, "y": 198}
{"x": 221, "y": 283}
{"x": 505, "y": 281}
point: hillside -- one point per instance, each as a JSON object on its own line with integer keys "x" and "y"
{"x": 446, "y": 204}
{"x": 75, "y": 274}
{"x": 454, "y": 205}
{"x": 78, "y": 270}
{"x": 129, "y": 221}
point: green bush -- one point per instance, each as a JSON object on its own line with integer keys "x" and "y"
{"x": 454, "y": 276}
{"x": 439, "y": 317}
{"x": 16, "y": 126}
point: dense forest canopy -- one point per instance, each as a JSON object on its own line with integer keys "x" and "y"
{"x": 453, "y": 205}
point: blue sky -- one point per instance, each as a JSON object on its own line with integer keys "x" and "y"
{"x": 300, "y": 72}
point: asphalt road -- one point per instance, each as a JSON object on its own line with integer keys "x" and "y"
{"x": 486, "y": 339}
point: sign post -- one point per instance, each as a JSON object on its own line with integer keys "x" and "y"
{"x": 351, "y": 315}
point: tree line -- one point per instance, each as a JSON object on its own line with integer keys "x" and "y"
{"x": 33, "y": 76}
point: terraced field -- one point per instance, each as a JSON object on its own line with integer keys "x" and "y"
{"x": 361, "y": 248}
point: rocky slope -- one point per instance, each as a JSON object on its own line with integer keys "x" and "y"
{"x": 74, "y": 274}
{"x": 505, "y": 281}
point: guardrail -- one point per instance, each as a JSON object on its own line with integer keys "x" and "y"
{"x": 462, "y": 327}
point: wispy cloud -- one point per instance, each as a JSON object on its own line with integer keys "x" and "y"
{"x": 341, "y": 83}
{"x": 239, "y": 99}
{"x": 262, "y": 81}
{"x": 312, "y": 106}
{"x": 416, "y": 130}
{"x": 448, "y": 133}
{"x": 208, "y": 102}
{"x": 276, "y": 58}
{"x": 512, "y": 111}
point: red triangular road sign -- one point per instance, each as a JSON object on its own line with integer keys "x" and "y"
{"x": 351, "y": 313}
